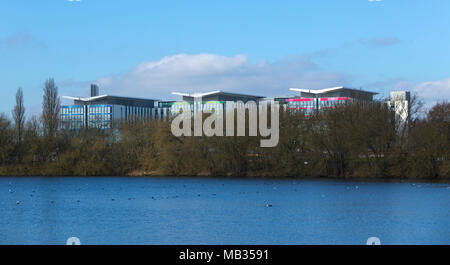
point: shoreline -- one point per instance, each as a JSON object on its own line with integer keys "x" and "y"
{"x": 347, "y": 179}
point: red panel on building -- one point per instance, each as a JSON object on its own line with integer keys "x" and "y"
{"x": 299, "y": 99}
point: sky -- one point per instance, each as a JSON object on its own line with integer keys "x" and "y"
{"x": 152, "y": 48}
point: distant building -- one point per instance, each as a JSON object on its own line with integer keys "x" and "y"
{"x": 311, "y": 100}
{"x": 400, "y": 103}
{"x": 336, "y": 92}
{"x": 102, "y": 111}
{"x": 219, "y": 96}
{"x": 210, "y": 100}
{"x": 296, "y": 103}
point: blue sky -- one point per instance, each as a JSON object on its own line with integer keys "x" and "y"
{"x": 150, "y": 48}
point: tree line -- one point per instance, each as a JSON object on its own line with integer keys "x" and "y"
{"x": 356, "y": 140}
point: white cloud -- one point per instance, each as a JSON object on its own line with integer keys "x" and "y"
{"x": 206, "y": 72}
{"x": 433, "y": 91}
{"x": 430, "y": 92}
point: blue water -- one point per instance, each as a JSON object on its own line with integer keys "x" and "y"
{"x": 220, "y": 211}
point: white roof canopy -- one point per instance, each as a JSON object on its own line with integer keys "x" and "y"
{"x": 321, "y": 91}
{"x": 85, "y": 99}
{"x": 196, "y": 95}
{"x": 212, "y": 93}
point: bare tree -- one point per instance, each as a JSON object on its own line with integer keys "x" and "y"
{"x": 6, "y": 145}
{"x": 19, "y": 114}
{"x": 50, "y": 108}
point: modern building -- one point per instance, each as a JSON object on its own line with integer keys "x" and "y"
{"x": 296, "y": 103}
{"x": 400, "y": 103}
{"x": 103, "y": 111}
{"x": 310, "y": 100}
{"x": 328, "y": 98}
{"x": 218, "y": 96}
{"x": 215, "y": 100}
{"x": 335, "y": 92}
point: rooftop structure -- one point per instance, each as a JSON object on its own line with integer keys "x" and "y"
{"x": 335, "y": 92}
{"x": 101, "y": 111}
{"x": 219, "y": 96}
{"x": 96, "y": 99}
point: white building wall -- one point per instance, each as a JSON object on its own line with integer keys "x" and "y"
{"x": 399, "y": 102}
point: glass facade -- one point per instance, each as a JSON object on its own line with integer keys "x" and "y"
{"x": 99, "y": 116}
{"x": 73, "y": 117}
{"x": 332, "y": 102}
{"x": 176, "y": 107}
{"x": 213, "y": 106}
{"x": 307, "y": 105}
{"x": 105, "y": 116}
{"x": 207, "y": 106}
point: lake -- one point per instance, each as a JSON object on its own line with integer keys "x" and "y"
{"x": 127, "y": 210}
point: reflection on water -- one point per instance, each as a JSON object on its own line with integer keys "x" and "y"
{"x": 220, "y": 211}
